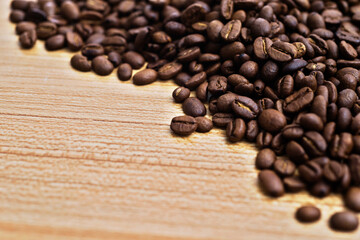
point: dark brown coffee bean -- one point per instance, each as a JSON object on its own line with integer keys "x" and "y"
{"x": 245, "y": 107}
{"x": 222, "y": 119}
{"x": 320, "y": 189}
{"x": 115, "y": 58}
{"x": 356, "y": 141}
{"x": 55, "y": 42}
{"x": 272, "y": 120}
{"x": 269, "y": 71}
{"x": 235, "y": 130}
{"x": 285, "y": 86}
{"x": 17, "y": 16}
{"x": 231, "y": 31}
{"x": 311, "y": 122}
{"x": 347, "y": 51}
{"x": 189, "y": 55}
{"x": 308, "y": 214}
{"x": 224, "y": 102}
{"x": 252, "y": 130}
{"x": 25, "y": 27}
{"x": 344, "y": 221}
{"x": 193, "y": 107}
{"x": 282, "y": 51}
{"x": 314, "y": 143}
{"x": 260, "y": 27}
{"x": 145, "y": 77}
{"x": 202, "y": 91}
{"x": 134, "y": 59}
{"x": 227, "y": 7}
{"x": 180, "y": 94}
{"x": 249, "y": 69}
{"x": 292, "y": 132}
{"x": 310, "y": 172}
{"x": 352, "y": 199}
{"x": 230, "y": 50}
{"x": 217, "y": 85}
{"x": 124, "y": 72}
{"x": 347, "y": 98}
{"x": 284, "y": 167}
{"x": 28, "y": 39}
{"x": 203, "y": 124}
{"x": 92, "y": 50}
{"x": 299, "y": 100}
{"x": 344, "y": 119}
{"x": 182, "y": 78}
{"x": 45, "y": 30}
{"x": 192, "y": 14}
{"x": 261, "y": 46}
{"x": 265, "y": 159}
{"x": 74, "y": 41}
{"x": 20, "y": 4}
{"x": 271, "y": 183}
{"x": 263, "y": 139}
{"x": 102, "y": 66}
{"x": 70, "y": 10}
{"x": 80, "y": 63}
{"x": 183, "y": 125}
{"x": 293, "y": 184}
{"x": 169, "y": 70}
{"x": 196, "y": 80}
{"x": 333, "y": 171}
{"x": 319, "y": 107}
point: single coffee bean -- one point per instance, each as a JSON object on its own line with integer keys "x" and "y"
{"x": 55, "y": 42}
{"x": 182, "y": 78}
{"x": 284, "y": 167}
{"x": 265, "y": 159}
{"x": 271, "y": 183}
{"x": 80, "y": 63}
{"x": 249, "y": 69}
{"x": 134, "y": 59}
{"x": 192, "y": 14}
{"x": 46, "y": 29}
{"x": 245, "y": 107}
{"x": 189, "y": 54}
{"x": 282, "y": 51}
{"x": 74, "y": 41}
{"x": 115, "y": 58}
{"x": 333, "y": 171}
{"x": 28, "y": 39}
{"x": 320, "y": 189}
{"x": 347, "y": 51}
{"x": 347, "y": 98}
{"x": 314, "y": 143}
{"x": 308, "y": 214}
{"x": 217, "y": 85}
{"x": 260, "y": 27}
{"x": 24, "y": 27}
{"x": 311, "y": 122}
{"x": 293, "y": 184}
{"x": 352, "y": 199}
{"x": 344, "y": 221}
{"x": 180, "y": 94}
{"x": 263, "y": 139}
{"x": 202, "y": 91}
{"x": 196, "y": 80}
{"x": 261, "y": 47}
{"x": 169, "y": 70}
{"x": 227, "y": 7}
{"x": 124, "y": 72}
{"x": 235, "y": 130}
{"x": 310, "y": 172}
{"x": 183, "y": 125}
{"x": 285, "y": 86}
{"x": 203, "y": 124}
{"x": 231, "y": 31}
{"x": 222, "y": 119}
{"x": 102, "y": 66}
{"x": 193, "y": 107}
{"x": 145, "y": 77}
{"x": 271, "y": 120}
{"x": 299, "y": 100}
{"x": 252, "y": 130}
{"x": 17, "y": 16}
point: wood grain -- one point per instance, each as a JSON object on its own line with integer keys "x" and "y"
{"x": 89, "y": 157}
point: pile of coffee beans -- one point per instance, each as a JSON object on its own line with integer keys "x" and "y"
{"x": 283, "y": 74}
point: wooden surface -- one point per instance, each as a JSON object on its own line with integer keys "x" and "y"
{"x": 89, "y": 157}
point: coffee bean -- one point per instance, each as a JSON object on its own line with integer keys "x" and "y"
{"x": 333, "y": 171}
{"x": 252, "y": 130}
{"x": 102, "y": 66}
{"x": 260, "y": 27}
{"x": 80, "y": 63}
{"x": 74, "y": 41}
{"x": 145, "y": 77}
{"x": 347, "y": 50}
{"x": 308, "y": 214}
{"x": 261, "y": 47}
{"x": 180, "y": 94}
{"x": 344, "y": 221}
{"x": 231, "y": 31}
{"x": 284, "y": 167}
{"x": 70, "y": 10}
{"x": 314, "y": 143}
{"x": 347, "y": 98}
{"x": 28, "y": 39}
{"x": 271, "y": 183}
{"x": 222, "y": 119}
{"x": 134, "y": 59}
{"x": 245, "y": 107}
{"x": 352, "y": 199}
{"x": 293, "y": 184}
{"x": 271, "y": 120}
{"x": 299, "y": 100}
{"x": 292, "y": 131}
{"x": 92, "y": 50}
{"x": 46, "y": 29}
{"x": 227, "y": 7}
{"x": 55, "y": 42}
{"x": 169, "y": 70}
{"x": 183, "y": 125}
{"x": 265, "y": 159}
{"x": 235, "y": 130}
{"x": 196, "y": 80}
{"x": 311, "y": 122}
{"x": 17, "y": 16}
{"x": 263, "y": 139}
{"x": 192, "y": 14}
{"x": 217, "y": 85}
{"x": 203, "y": 124}
{"x": 202, "y": 91}
{"x": 249, "y": 69}
{"x": 310, "y": 172}
{"x": 124, "y": 72}
{"x": 193, "y": 107}
{"x": 25, "y": 27}
{"x": 282, "y": 51}
{"x": 320, "y": 189}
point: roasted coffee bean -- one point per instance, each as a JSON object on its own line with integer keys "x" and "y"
{"x": 347, "y": 51}
{"x": 282, "y": 51}
{"x": 352, "y": 199}
{"x": 245, "y": 107}
{"x": 265, "y": 159}
{"x": 285, "y": 86}
{"x": 311, "y": 122}
{"x": 308, "y": 214}
{"x": 169, "y": 70}
{"x": 252, "y": 130}
{"x": 17, "y": 16}
{"x": 28, "y": 39}
{"x": 235, "y": 130}
{"x": 134, "y": 59}
{"x": 80, "y": 63}
{"x": 260, "y": 27}
{"x": 115, "y": 58}
{"x": 102, "y": 66}
{"x": 182, "y": 78}
{"x": 264, "y": 139}
{"x": 261, "y": 47}
{"x": 344, "y": 221}
{"x": 145, "y": 77}
{"x": 333, "y": 171}
{"x": 271, "y": 183}
{"x": 217, "y": 85}
{"x": 25, "y": 27}
{"x": 230, "y": 50}
{"x": 55, "y": 42}
{"x": 74, "y": 41}
{"x": 271, "y": 120}
{"x": 92, "y": 50}
{"x": 227, "y": 8}
{"x": 269, "y": 71}
{"x": 249, "y": 69}
{"x": 193, "y": 107}
{"x": 196, "y": 80}
{"x": 180, "y": 94}
{"x": 45, "y": 30}
{"x": 314, "y": 143}
{"x": 299, "y": 100}
{"x": 344, "y": 119}
{"x": 70, "y": 10}
{"x": 292, "y": 132}
{"x": 222, "y": 119}
{"x": 320, "y": 189}
{"x": 224, "y": 103}
{"x": 183, "y": 125}
{"x": 293, "y": 184}
{"x": 203, "y": 124}
{"x": 192, "y": 14}
{"x": 124, "y": 72}
{"x": 284, "y": 167}
{"x": 310, "y": 172}
{"x": 347, "y": 98}
{"x": 231, "y": 31}
{"x": 202, "y": 91}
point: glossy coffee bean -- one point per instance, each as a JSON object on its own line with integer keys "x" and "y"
{"x": 183, "y": 125}
{"x": 124, "y": 72}
{"x": 193, "y": 107}
{"x": 102, "y": 66}
{"x": 308, "y": 214}
{"x": 145, "y": 77}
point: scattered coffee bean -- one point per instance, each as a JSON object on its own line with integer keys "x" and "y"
{"x": 145, "y": 77}
{"x": 203, "y": 124}
{"x": 352, "y": 199}
{"x": 271, "y": 183}
{"x": 308, "y": 214}
{"x": 193, "y": 107}
{"x": 102, "y": 66}
{"x": 124, "y": 72}
{"x": 344, "y": 221}
{"x": 183, "y": 125}
{"x": 80, "y": 63}
{"x": 180, "y": 94}
{"x": 265, "y": 158}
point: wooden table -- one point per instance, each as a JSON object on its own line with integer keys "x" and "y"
{"x": 89, "y": 157}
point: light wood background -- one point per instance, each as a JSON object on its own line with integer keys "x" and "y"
{"x": 89, "y": 157}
